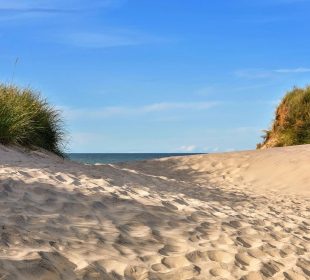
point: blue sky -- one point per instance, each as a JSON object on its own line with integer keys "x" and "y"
{"x": 158, "y": 76}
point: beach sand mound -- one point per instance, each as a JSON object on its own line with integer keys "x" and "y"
{"x": 222, "y": 216}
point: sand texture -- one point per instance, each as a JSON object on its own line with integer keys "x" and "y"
{"x": 223, "y": 216}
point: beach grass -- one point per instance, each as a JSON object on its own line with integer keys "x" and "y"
{"x": 291, "y": 125}
{"x": 27, "y": 119}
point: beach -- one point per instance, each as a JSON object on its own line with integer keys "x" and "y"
{"x": 240, "y": 215}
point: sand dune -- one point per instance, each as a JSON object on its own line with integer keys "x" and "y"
{"x": 224, "y": 216}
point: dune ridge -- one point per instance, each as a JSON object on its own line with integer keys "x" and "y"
{"x": 239, "y": 215}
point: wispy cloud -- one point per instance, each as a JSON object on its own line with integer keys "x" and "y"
{"x": 187, "y": 148}
{"x": 285, "y": 1}
{"x": 54, "y": 4}
{"x": 217, "y": 89}
{"x": 109, "y": 38}
{"x": 252, "y": 73}
{"x": 16, "y": 11}
{"x": 246, "y": 129}
{"x": 116, "y": 111}
{"x": 263, "y": 73}
{"x": 22, "y": 7}
{"x": 274, "y": 2}
{"x": 210, "y": 149}
{"x": 156, "y": 107}
{"x": 294, "y": 70}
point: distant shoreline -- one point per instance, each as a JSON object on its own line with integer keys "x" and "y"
{"x": 107, "y": 158}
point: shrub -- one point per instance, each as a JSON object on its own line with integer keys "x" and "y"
{"x": 27, "y": 119}
{"x": 291, "y": 125}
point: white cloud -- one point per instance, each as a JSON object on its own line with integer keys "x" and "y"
{"x": 109, "y": 38}
{"x": 284, "y": 1}
{"x": 262, "y": 73}
{"x": 253, "y": 73}
{"x": 274, "y": 2}
{"x": 17, "y": 10}
{"x": 294, "y": 70}
{"x": 218, "y": 89}
{"x": 246, "y": 129}
{"x": 114, "y": 111}
{"x": 178, "y": 105}
{"x": 210, "y": 149}
{"x": 33, "y": 5}
{"x": 187, "y": 149}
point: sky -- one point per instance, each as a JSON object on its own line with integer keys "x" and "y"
{"x": 158, "y": 76}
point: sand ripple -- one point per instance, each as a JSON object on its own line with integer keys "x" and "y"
{"x": 157, "y": 220}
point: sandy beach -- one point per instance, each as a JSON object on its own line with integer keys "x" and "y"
{"x": 242, "y": 215}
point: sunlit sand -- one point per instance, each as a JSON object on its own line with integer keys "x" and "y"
{"x": 242, "y": 215}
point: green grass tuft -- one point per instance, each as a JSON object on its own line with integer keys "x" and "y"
{"x": 291, "y": 125}
{"x": 27, "y": 119}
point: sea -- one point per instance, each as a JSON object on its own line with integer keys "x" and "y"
{"x": 106, "y": 158}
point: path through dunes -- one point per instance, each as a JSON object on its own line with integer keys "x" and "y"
{"x": 181, "y": 218}
{"x": 283, "y": 170}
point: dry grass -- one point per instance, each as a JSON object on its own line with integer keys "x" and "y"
{"x": 27, "y": 119}
{"x": 291, "y": 125}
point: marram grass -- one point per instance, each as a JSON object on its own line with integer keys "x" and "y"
{"x": 26, "y": 119}
{"x": 291, "y": 125}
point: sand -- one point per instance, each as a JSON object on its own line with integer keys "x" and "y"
{"x": 222, "y": 216}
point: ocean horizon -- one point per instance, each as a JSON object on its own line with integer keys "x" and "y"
{"x": 107, "y": 158}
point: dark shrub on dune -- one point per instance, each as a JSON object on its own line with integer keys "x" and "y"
{"x": 27, "y": 119}
{"x": 291, "y": 125}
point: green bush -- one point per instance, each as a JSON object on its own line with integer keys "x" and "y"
{"x": 291, "y": 125}
{"x": 27, "y": 119}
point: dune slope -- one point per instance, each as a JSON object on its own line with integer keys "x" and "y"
{"x": 227, "y": 216}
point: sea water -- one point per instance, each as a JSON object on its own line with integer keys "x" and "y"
{"x": 106, "y": 158}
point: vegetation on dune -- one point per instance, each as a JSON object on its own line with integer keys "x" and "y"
{"x": 27, "y": 119}
{"x": 291, "y": 125}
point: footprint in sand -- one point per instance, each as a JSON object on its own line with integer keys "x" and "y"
{"x": 198, "y": 256}
{"x": 224, "y": 240}
{"x": 246, "y": 260}
{"x": 270, "y": 268}
{"x": 184, "y": 273}
{"x": 136, "y": 229}
{"x": 169, "y": 205}
{"x": 198, "y": 216}
{"x": 291, "y": 275}
{"x": 159, "y": 267}
{"x": 210, "y": 235}
{"x": 304, "y": 265}
{"x": 175, "y": 261}
{"x": 169, "y": 249}
{"x": 219, "y": 272}
{"x": 248, "y": 242}
{"x": 253, "y": 275}
{"x": 220, "y": 256}
{"x": 136, "y": 273}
